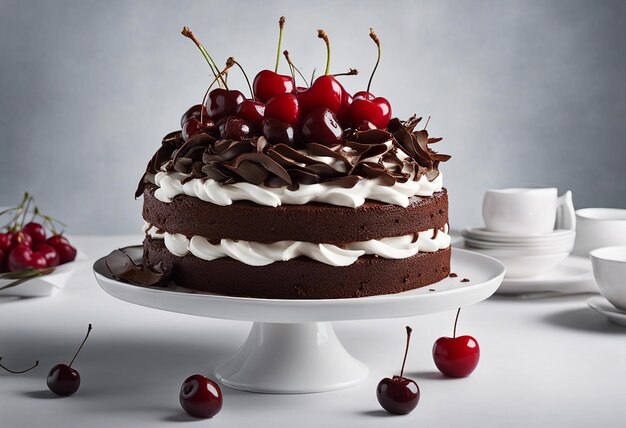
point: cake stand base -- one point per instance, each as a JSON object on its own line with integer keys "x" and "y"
{"x": 293, "y": 358}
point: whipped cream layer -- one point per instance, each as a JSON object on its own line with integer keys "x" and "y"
{"x": 171, "y": 184}
{"x": 261, "y": 254}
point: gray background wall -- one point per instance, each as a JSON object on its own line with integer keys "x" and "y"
{"x": 524, "y": 92}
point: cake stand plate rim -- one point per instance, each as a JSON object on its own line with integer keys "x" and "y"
{"x": 485, "y": 275}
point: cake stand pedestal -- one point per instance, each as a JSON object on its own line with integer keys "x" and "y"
{"x": 292, "y": 347}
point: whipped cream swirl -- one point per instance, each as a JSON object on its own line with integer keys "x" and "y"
{"x": 261, "y": 254}
{"x": 171, "y": 184}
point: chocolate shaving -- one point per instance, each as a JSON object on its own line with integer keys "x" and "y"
{"x": 122, "y": 267}
{"x": 390, "y": 156}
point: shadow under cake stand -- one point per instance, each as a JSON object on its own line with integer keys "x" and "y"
{"x": 292, "y": 347}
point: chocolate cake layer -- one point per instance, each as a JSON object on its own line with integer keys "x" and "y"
{"x": 312, "y": 222}
{"x": 301, "y": 278}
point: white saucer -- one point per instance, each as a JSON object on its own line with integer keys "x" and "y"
{"x": 604, "y": 307}
{"x": 482, "y": 234}
{"x": 573, "y": 275}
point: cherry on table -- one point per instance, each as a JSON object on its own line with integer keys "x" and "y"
{"x": 456, "y": 356}
{"x": 321, "y": 126}
{"x": 399, "y": 395}
{"x": 200, "y": 397}
{"x": 63, "y": 379}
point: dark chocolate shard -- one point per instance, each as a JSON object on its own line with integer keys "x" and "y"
{"x": 122, "y": 267}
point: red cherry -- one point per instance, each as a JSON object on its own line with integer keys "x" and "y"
{"x": 5, "y": 241}
{"x": 3, "y": 263}
{"x": 277, "y": 132}
{"x": 193, "y": 111}
{"x": 252, "y": 111}
{"x": 320, "y": 126}
{"x": 54, "y": 240}
{"x": 363, "y": 95}
{"x": 67, "y": 252}
{"x": 35, "y": 231}
{"x": 20, "y": 258}
{"x": 376, "y": 111}
{"x": 200, "y": 397}
{"x": 62, "y": 378}
{"x": 193, "y": 125}
{"x": 223, "y": 102}
{"x": 268, "y": 84}
{"x": 456, "y": 356}
{"x": 284, "y": 107}
{"x": 21, "y": 238}
{"x": 326, "y": 92}
{"x": 50, "y": 254}
{"x": 342, "y": 115}
{"x": 234, "y": 128}
{"x": 399, "y": 395}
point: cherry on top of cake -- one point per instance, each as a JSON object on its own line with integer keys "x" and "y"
{"x": 287, "y": 135}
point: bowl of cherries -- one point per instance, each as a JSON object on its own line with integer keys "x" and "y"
{"x": 35, "y": 258}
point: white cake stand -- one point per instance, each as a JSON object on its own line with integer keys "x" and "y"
{"x": 292, "y": 347}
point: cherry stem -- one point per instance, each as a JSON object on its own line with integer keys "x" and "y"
{"x": 291, "y": 64}
{"x": 313, "y": 76}
{"x": 20, "y": 371}
{"x": 427, "y": 120}
{"x": 377, "y": 41}
{"x": 206, "y": 94}
{"x": 322, "y": 35}
{"x": 409, "y": 330}
{"x": 233, "y": 61}
{"x": 281, "y": 25}
{"x": 81, "y": 345}
{"x": 455, "y": 321}
{"x": 189, "y": 34}
{"x": 351, "y": 72}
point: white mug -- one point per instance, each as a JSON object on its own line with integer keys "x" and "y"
{"x": 599, "y": 227}
{"x": 528, "y": 211}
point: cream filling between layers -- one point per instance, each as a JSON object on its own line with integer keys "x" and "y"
{"x": 261, "y": 254}
{"x": 171, "y": 184}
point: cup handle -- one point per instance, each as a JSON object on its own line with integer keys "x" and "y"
{"x": 565, "y": 213}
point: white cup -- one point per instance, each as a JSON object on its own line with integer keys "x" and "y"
{"x": 599, "y": 227}
{"x": 609, "y": 270}
{"x": 528, "y": 211}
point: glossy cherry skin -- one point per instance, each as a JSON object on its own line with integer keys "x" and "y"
{"x": 268, "y": 84}
{"x": 234, "y": 128}
{"x": 35, "y": 231}
{"x": 5, "y": 241}
{"x": 277, "y": 132}
{"x": 325, "y": 92}
{"x": 343, "y": 114}
{"x": 252, "y": 111}
{"x": 321, "y": 126}
{"x": 21, "y": 238}
{"x": 363, "y": 95}
{"x": 398, "y": 395}
{"x": 193, "y": 125}
{"x": 456, "y": 356}
{"x": 63, "y": 380}
{"x": 49, "y": 252}
{"x": 284, "y": 107}
{"x": 200, "y": 397}
{"x": 223, "y": 102}
{"x": 193, "y": 111}
{"x": 376, "y": 111}
{"x": 23, "y": 258}
{"x": 3, "y": 264}
{"x": 67, "y": 252}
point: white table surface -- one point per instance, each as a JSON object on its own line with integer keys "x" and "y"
{"x": 549, "y": 362}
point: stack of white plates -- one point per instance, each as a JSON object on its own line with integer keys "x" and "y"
{"x": 523, "y": 255}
